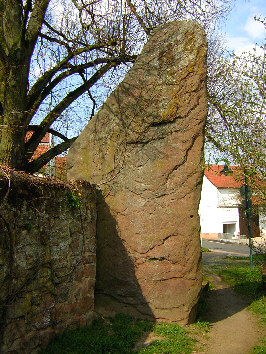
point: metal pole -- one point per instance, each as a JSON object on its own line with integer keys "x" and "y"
{"x": 249, "y": 239}
{"x": 248, "y": 211}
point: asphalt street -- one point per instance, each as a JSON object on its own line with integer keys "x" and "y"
{"x": 229, "y": 249}
{"x": 218, "y": 257}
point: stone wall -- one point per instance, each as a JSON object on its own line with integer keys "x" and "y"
{"x": 47, "y": 259}
{"x": 144, "y": 152}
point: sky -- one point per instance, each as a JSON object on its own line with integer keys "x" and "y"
{"x": 241, "y": 30}
{"x": 241, "y": 33}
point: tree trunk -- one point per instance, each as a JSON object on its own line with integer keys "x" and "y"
{"x": 14, "y": 70}
{"x": 13, "y": 128}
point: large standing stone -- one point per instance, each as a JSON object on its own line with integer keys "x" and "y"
{"x": 144, "y": 151}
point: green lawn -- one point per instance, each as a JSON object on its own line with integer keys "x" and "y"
{"x": 121, "y": 333}
{"x": 248, "y": 283}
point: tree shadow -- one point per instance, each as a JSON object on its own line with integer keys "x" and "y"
{"x": 117, "y": 289}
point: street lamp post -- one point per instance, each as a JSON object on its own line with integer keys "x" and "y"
{"x": 245, "y": 192}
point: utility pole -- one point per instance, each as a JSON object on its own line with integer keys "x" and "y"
{"x": 246, "y": 193}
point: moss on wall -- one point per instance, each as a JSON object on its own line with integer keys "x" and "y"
{"x": 47, "y": 258}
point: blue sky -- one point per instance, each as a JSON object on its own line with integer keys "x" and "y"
{"x": 241, "y": 31}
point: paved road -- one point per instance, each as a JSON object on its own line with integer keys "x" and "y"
{"x": 217, "y": 258}
{"x": 226, "y": 248}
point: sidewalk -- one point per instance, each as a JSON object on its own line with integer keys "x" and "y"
{"x": 257, "y": 241}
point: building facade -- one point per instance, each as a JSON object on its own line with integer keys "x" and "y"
{"x": 220, "y": 209}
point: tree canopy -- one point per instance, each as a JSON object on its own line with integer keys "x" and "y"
{"x": 236, "y": 120}
{"x": 53, "y": 52}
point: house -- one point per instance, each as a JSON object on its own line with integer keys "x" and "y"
{"x": 220, "y": 209}
{"x": 55, "y": 167}
{"x": 44, "y": 145}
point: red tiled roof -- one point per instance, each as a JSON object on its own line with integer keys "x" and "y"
{"x": 60, "y": 162}
{"x": 41, "y": 149}
{"x": 44, "y": 140}
{"x": 220, "y": 180}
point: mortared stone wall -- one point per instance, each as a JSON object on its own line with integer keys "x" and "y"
{"x": 47, "y": 259}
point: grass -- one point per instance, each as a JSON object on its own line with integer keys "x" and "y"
{"x": 258, "y": 259}
{"x": 106, "y": 335}
{"x": 247, "y": 282}
{"x": 204, "y": 249}
{"x": 119, "y": 335}
{"x": 260, "y": 349}
{"x": 175, "y": 340}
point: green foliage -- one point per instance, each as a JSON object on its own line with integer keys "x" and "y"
{"x": 203, "y": 249}
{"x": 112, "y": 335}
{"x": 260, "y": 349}
{"x": 260, "y": 249}
{"x": 74, "y": 199}
{"x": 236, "y": 116}
{"x": 28, "y": 226}
{"x": 119, "y": 334}
{"x": 175, "y": 340}
{"x": 258, "y": 259}
{"x": 202, "y": 325}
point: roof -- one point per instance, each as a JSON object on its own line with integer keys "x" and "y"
{"x": 220, "y": 180}
{"x": 41, "y": 149}
{"x": 60, "y": 162}
{"x": 45, "y": 139}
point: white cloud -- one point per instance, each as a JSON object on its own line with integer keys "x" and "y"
{"x": 254, "y": 29}
{"x": 239, "y": 44}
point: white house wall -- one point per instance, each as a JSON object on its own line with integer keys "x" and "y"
{"x": 228, "y": 197}
{"x": 262, "y": 219}
{"x": 208, "y": 207}
{"x": 228, "y": 216}
{"x": 217, "y": 207}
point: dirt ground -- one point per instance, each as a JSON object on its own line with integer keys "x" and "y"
{"x": 234, "y": 329}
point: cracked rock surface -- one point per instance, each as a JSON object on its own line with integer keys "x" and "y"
{"x": 144, "y": 150}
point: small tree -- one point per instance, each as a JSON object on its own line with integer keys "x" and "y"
{"x": 236, "y": 120}
{"x": 77, "y": 45}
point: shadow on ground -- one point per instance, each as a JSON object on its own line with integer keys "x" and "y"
{"x": 221, "y": 304}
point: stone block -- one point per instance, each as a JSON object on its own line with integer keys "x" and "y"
{"x": 144, "y": 152}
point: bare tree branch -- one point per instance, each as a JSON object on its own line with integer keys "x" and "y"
{"x": 138, "y": 17}
{"x": 60, "y": 34}
{"x": 35, "y": 165}
{"x": 56, "y": 40}
{"x": 27, "y": 9}
{"x": 45, "y": 79}
{"x": 35, "y": 22}
{"x": 37, "y": 97}
{"x": 35, "y": 139}
{"x": 50, "y": 130}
